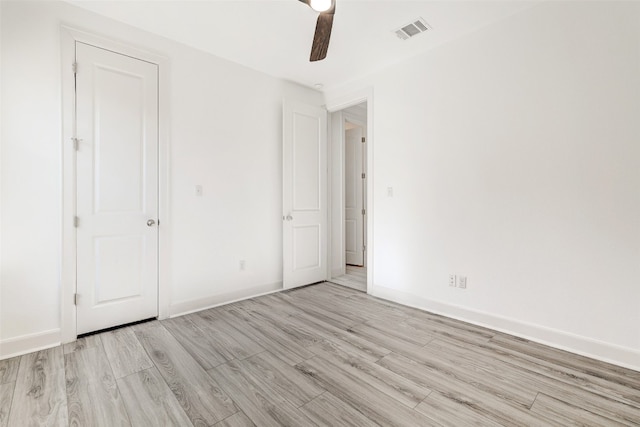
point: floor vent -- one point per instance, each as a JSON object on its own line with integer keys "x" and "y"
{"x": 412, "y": 29}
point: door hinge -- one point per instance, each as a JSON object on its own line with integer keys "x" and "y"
{"x": 76, "y": 143}
{"x": 75, "y": 299}
{"x": 364, "y": 175}
{"x": 364, "y": 139}
{"x": 364, "y": 212}
{"x": 364, "y": 248}
{"x": 76, "y": 221}
{"x": 74, "y": 67}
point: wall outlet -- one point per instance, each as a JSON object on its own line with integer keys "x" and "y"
{"x": 462, "y": 282}
{"x": 452, "y": 280}
{"x": 243, "y": 265}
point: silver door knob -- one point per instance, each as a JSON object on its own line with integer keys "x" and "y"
{"x": 151, "y": 223}
{"x": 289, "y": 217}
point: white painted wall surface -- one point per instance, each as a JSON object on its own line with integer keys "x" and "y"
{"x": 225, "y": 135}
{"x": 514, "y": 156}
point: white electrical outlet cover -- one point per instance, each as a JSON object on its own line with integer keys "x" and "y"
{"x": 462, "y": 282}
{"x": 452, "y": 280}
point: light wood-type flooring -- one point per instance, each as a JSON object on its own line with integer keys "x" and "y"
{"x": 354, "y": 278}
{"x": 320, "y": 355}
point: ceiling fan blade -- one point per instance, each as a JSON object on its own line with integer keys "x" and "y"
{"x": 321, "y": 37}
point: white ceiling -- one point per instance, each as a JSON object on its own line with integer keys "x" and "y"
{"x": 274, "y": 36}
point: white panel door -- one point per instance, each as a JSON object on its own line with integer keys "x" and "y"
{"x": 304, "y": 194}
{"x": 354, "y": 201}
{"x": 117, "y": 189}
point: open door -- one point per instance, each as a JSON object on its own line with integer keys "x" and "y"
{"x": 354, "y": 196}
{"x": 304, "y": 200}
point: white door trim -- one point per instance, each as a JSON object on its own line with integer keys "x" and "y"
{"x": 340, "y": 103}
{"x": 69, "y": 36}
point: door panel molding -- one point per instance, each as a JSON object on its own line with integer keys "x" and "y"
{"x": 69, "y": 37}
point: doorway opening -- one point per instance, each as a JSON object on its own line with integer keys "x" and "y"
{"x": 349, "y": 197}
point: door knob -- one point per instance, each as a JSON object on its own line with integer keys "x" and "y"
{"x": 289, "y": 217}
{"x": 151, "y": 223}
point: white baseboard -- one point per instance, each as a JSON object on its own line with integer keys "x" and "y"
{"x": 191, "y": 306}
{"x": 24, "y": 344}
{"x": 606, "y": 352}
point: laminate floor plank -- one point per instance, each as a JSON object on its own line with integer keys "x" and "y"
{"x": 198, "y": 394}
{"x": 570, "y": 377}
{"x": 39, "y": 397}
{"x": 239, "y": 419}
{"x": 503, "y": 383}
{"x": 284, "y": 379}
{"x": 355, "y": 278}
{"x": 618, "y": 374}
{"x": 329, "y": 304}
{"x": 626, "y": 389}
{"x": 424, "y": 316}
{"x": 486, "y": 404}
{"x": 449, "y": 411}
{"x": 345, "y": 340}
{"x": 569, "y": 415}
{"x": 93, "y": 397}
{"x": 124, "y": 351}
{"x": 202, "y": 345}
{"x": 403, "y": 331}
{"x": 604, "y": 405}
{"x": 275, "y": 302}
{"x": 366, "y": 310}
{"x": 374, "y": 404}
{"x": 258, "y": 401}
{"x": 268, "y": 336}
{"x": 231, "y": 342}
{"x": 328, "y": 410}
{"x": 288, "y": 325}
{"x": 383, "y": 380}
{"x": 6, "y": 395}
{"x": 437, "y": 330}
{"x": 334, "y": 319}
{"x": 149, "y": 401}
{"x": 384, "y": 338}
{"x": 350, "y": 282}
{"x": 9, "y": 370}
{"x": 81, "y": 343}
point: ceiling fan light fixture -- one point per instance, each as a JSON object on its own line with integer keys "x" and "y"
{"x": 320, "y": 5}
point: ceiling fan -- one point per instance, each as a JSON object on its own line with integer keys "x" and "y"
{"x": 327, "y": 9}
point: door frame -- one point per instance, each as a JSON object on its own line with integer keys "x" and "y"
{"x": 336, "y": 104}
{"x": 68, "y": 261}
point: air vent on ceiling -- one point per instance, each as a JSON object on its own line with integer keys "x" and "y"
{"x": 411, "y": 29}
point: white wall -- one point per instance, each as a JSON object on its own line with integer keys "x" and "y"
{"x": 225, "y": 135}
{"x": 514, "y": 156}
